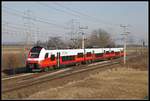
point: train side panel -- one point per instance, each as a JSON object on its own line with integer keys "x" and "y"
{"x": 51, "y": 58}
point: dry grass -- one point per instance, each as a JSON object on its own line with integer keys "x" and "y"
{"x": 141, "y": 62}
{"x": 137, "y": 50}
{"x": 124, "y": 82}
{"x": 121, "y": 83}
{"x": 13, "y": 55}
{"x": 12, "y": 60}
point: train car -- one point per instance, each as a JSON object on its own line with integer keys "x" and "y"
{"x": 42, "y": 59}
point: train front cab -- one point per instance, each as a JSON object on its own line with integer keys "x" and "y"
{"x": 32, "y": 62}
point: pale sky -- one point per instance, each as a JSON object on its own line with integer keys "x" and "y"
{"x": 54, "y": 18}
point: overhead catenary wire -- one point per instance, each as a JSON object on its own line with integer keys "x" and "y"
{"x": 60, "y": 10}
{"x": 86, "y": 15}
{"x": 79, "y": 14}
{"x": 14, "y": 26}
{"x": 43, "y": 21}
{"x": 20, "y": 26}
{"x": 90, "y": 18}
{"x": 38, "y": 19}
{"x": 19, "y": 29}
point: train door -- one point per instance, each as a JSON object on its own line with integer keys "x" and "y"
{"x": 58, "y": 59}
{"x": 93, "y": 55}
{"x": 84, "y": 55}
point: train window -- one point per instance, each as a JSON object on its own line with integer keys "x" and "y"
{"x": 107, "y": 52}
{"x": 52, "y": 57}
{"x": 68, "y": 58}
{"x": 73, "y": 57}
{"x": 34, "y": 55}
{"x": 116, "y": 52}
{"x": 64, "y": 58}
{"x": 80, "y": 55}
{"x": 36, "y": 49}
{"x": 99, "y": 54}
{"x": 112, "y": 51}
{"x": 46, "y": 55}
{"x": 88, "y": 54}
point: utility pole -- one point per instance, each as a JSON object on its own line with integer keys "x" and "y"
{"x": 28, "y": 24}
{"x": 28, "y": 31}
{"x": 83, "y": 38}
{"x": 142, "y": 46}
{"x": 125, "y": 38}
{"x": 73, "y": 33}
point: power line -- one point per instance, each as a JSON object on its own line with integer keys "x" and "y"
{"x": 83, "y": 14}
{"x": 69, "y": 9}
{"x": 78, "y": 13}
{"x": 3, "y": 21}
{"x": 37, "y": 18}
{"x": 20, "y": 26}
{"x": 12, "y": 26}
{"x": 15, "y": 27}
{"x": 60, "y": 10}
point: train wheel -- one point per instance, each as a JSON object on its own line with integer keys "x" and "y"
{"x": 28, "y": 70}
{"x": 90, "y": 61}
{"x": 77, "y": 64}
{"x": 46, "y": 69}
{"x": 87, "y": 62}
{"x": 54, "y": 67}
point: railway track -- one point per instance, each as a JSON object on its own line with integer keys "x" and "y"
{"x": 49, "y": 77}
{"x": 40, "y": 78}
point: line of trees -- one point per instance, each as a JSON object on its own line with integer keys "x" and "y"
{"x": 98, "y": 38}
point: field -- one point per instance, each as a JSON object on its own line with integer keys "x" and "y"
{"x": 128, "y": 81}
{"x": 13, "y": 57}
{"x": 124, "y": 82}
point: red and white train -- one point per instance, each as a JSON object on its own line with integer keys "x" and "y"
{"x": 41, "y": 59}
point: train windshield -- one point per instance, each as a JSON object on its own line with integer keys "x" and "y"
{"x": 35, "y": 51}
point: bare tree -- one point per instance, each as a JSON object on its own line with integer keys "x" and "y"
{"x": 100, "y": 38}
{"x": 55, "y": 43}
{"x": 94, "y": 39}
{"x": 130, "y": 41}
{"x": 40, "y": 43}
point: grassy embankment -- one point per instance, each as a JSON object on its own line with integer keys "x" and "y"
{"x": 128, "y": 81}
